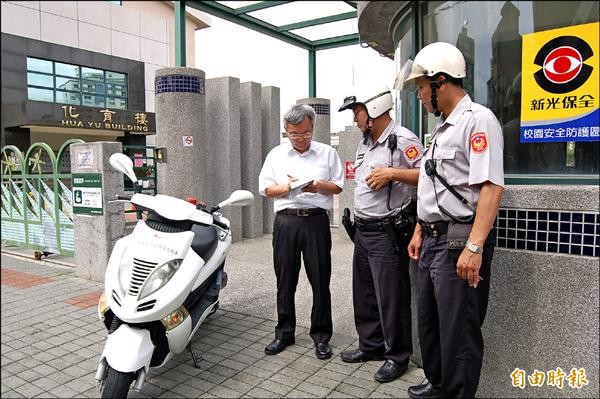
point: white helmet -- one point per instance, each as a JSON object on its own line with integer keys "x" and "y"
{"x": 377, "y": 101}
{"x": 434, "y": 58}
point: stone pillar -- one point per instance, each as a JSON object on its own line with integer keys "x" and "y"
{"x": 95, "y": 235}
{"x": 349, "y": 140}
{"x": 223, "y": 141}
{"x": 180, "y": 129}
{"x": 322, "y": 130}
{"x": 271, "y": 138}
{"x": 251, "y": 156}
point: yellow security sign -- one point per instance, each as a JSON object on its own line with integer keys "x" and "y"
{"x": 560, "y": 85}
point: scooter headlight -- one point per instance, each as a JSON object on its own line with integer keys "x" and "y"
{"x": 159, "y": 277}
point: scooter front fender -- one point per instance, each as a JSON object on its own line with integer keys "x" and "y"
{"x": 129, "y": 349}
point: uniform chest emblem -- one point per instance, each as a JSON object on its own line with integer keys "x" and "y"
{"x": 479, "y": 142}
{"x": 411, "y": 152}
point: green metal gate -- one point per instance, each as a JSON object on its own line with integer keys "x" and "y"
{"x": 37, "y": 209}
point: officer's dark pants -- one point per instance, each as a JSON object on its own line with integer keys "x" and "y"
{"x": 311, "y": 236}
{"x": 450, "y": 316}
{"x": 381, "y": 295}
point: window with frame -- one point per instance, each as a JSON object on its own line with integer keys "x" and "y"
{"x": 489, "y": 33}
{"x": 58, "y": 82}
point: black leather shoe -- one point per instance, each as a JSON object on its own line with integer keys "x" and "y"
{"x": 425, "y": 391}
{"x": 357, "y": 356}
{"x": 323, "y": 350}
{"x": 277, "y": 346}
{"x": 390, "y": 371}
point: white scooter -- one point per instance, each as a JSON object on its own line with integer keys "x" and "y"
{"x": 161, "y": 283}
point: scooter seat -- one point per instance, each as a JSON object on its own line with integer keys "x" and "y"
{"x": 205, "y": 240}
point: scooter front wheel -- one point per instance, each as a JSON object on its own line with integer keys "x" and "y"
{"x": 116, "y": 384}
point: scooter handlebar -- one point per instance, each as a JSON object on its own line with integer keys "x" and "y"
{"x": 124, "y": 197}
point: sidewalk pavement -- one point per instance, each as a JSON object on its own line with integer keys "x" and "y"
{"x": 52, "y": 337}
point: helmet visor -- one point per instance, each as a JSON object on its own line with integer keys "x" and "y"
{"x": 348, "y": 103}
{"x": 405, "y": 81}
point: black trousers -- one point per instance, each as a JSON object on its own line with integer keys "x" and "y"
{"x": 450, "y": 316}
{"x": 381, "y": 296}
{"x": 311, "y": 237}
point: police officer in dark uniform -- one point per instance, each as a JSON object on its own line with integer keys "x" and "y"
{"x": 386, "y": 166}
{"x": 460, "y": 187}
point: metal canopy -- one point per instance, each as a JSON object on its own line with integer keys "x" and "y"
{"x": 310, "y": 25}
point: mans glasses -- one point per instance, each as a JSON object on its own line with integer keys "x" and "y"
{"x": 295, "y": 136}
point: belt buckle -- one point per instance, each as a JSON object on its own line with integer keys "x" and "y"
{"x": 302, "y": 212}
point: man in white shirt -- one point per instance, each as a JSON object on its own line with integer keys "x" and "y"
{"x": 301, "y": 225}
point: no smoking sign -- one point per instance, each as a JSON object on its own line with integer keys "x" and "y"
{"x": 188, "y": 141}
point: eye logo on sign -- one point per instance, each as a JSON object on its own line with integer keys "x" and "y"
{"x": 562, "y": 61}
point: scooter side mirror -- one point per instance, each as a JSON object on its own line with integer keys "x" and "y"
{"x": 123, "y": 164}
{"x": 238, "y": 198}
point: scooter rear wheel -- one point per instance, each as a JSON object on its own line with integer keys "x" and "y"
{"x": 116, "y": 384}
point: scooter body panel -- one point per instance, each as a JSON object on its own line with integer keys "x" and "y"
{"x": 128, "y": 349}
{"x": 133, "y": 254}
{"x": 180, "y": 336}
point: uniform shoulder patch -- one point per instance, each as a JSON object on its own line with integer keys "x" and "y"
{"x": 411, "y": 151}
{"x": 479, "y": 142}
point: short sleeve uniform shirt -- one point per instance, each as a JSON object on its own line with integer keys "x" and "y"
{"x": 467, "y": 148}
{"x": 373, "y": 204}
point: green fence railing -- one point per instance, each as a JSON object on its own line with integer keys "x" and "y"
{"x": 36, "y": 201}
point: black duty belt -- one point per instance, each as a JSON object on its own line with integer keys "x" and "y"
{"x": 302, "y": 211}
{"x": 434, "y": 229}
{"x": 372, "y": 224}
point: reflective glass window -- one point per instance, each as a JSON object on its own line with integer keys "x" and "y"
{"x": 120, "y": 103}
{"x": 93, "y": 101}
{"x": 35, "y": 64}
{"x": 37, "y": 79}
{"x": 116, "y": 78}
{"x": 116, "y": 90}
{"x": 92, "y": 87}
{"x": 74, "y": 84}
{"x": 65, "y": 97}
{"x": 66, "y": 69}
{"x": 68, "y": 84}
{"x": 489, "y": 34}
{"x": 92, "y": 74}
{"x": 40, "y": 94}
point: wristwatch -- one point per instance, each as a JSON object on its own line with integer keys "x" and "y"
{"x": 476, "y": 249}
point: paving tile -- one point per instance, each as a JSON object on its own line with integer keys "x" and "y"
{"x": 261, "y": 393}
{"x": 21, "y": 280}
{"x": 200, "y": 384}
{"x": 13, "y": 381}
{"x": 12, "y": 394}
{"x": 313, "y": 389}
{"x": 336, "y": 394}
{"x": 392, "y": 390}
{"x": 273, "y": 386}
{"x": 300, "y": 394}
{"x": 280, "y": 378}
{"x": 54, "y": 352}
{"x": 353, "y": 390}
{"x": 221, "y": 391}
{"x": 237, "y": 386}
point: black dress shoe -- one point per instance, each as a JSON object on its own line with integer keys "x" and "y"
{"x": 425, "y": 391}
{"x": 323, "y": 350}
{"x": 277, "y": 346}
{"x": 357, "y": 356}
{"x": 390, "y": 371}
